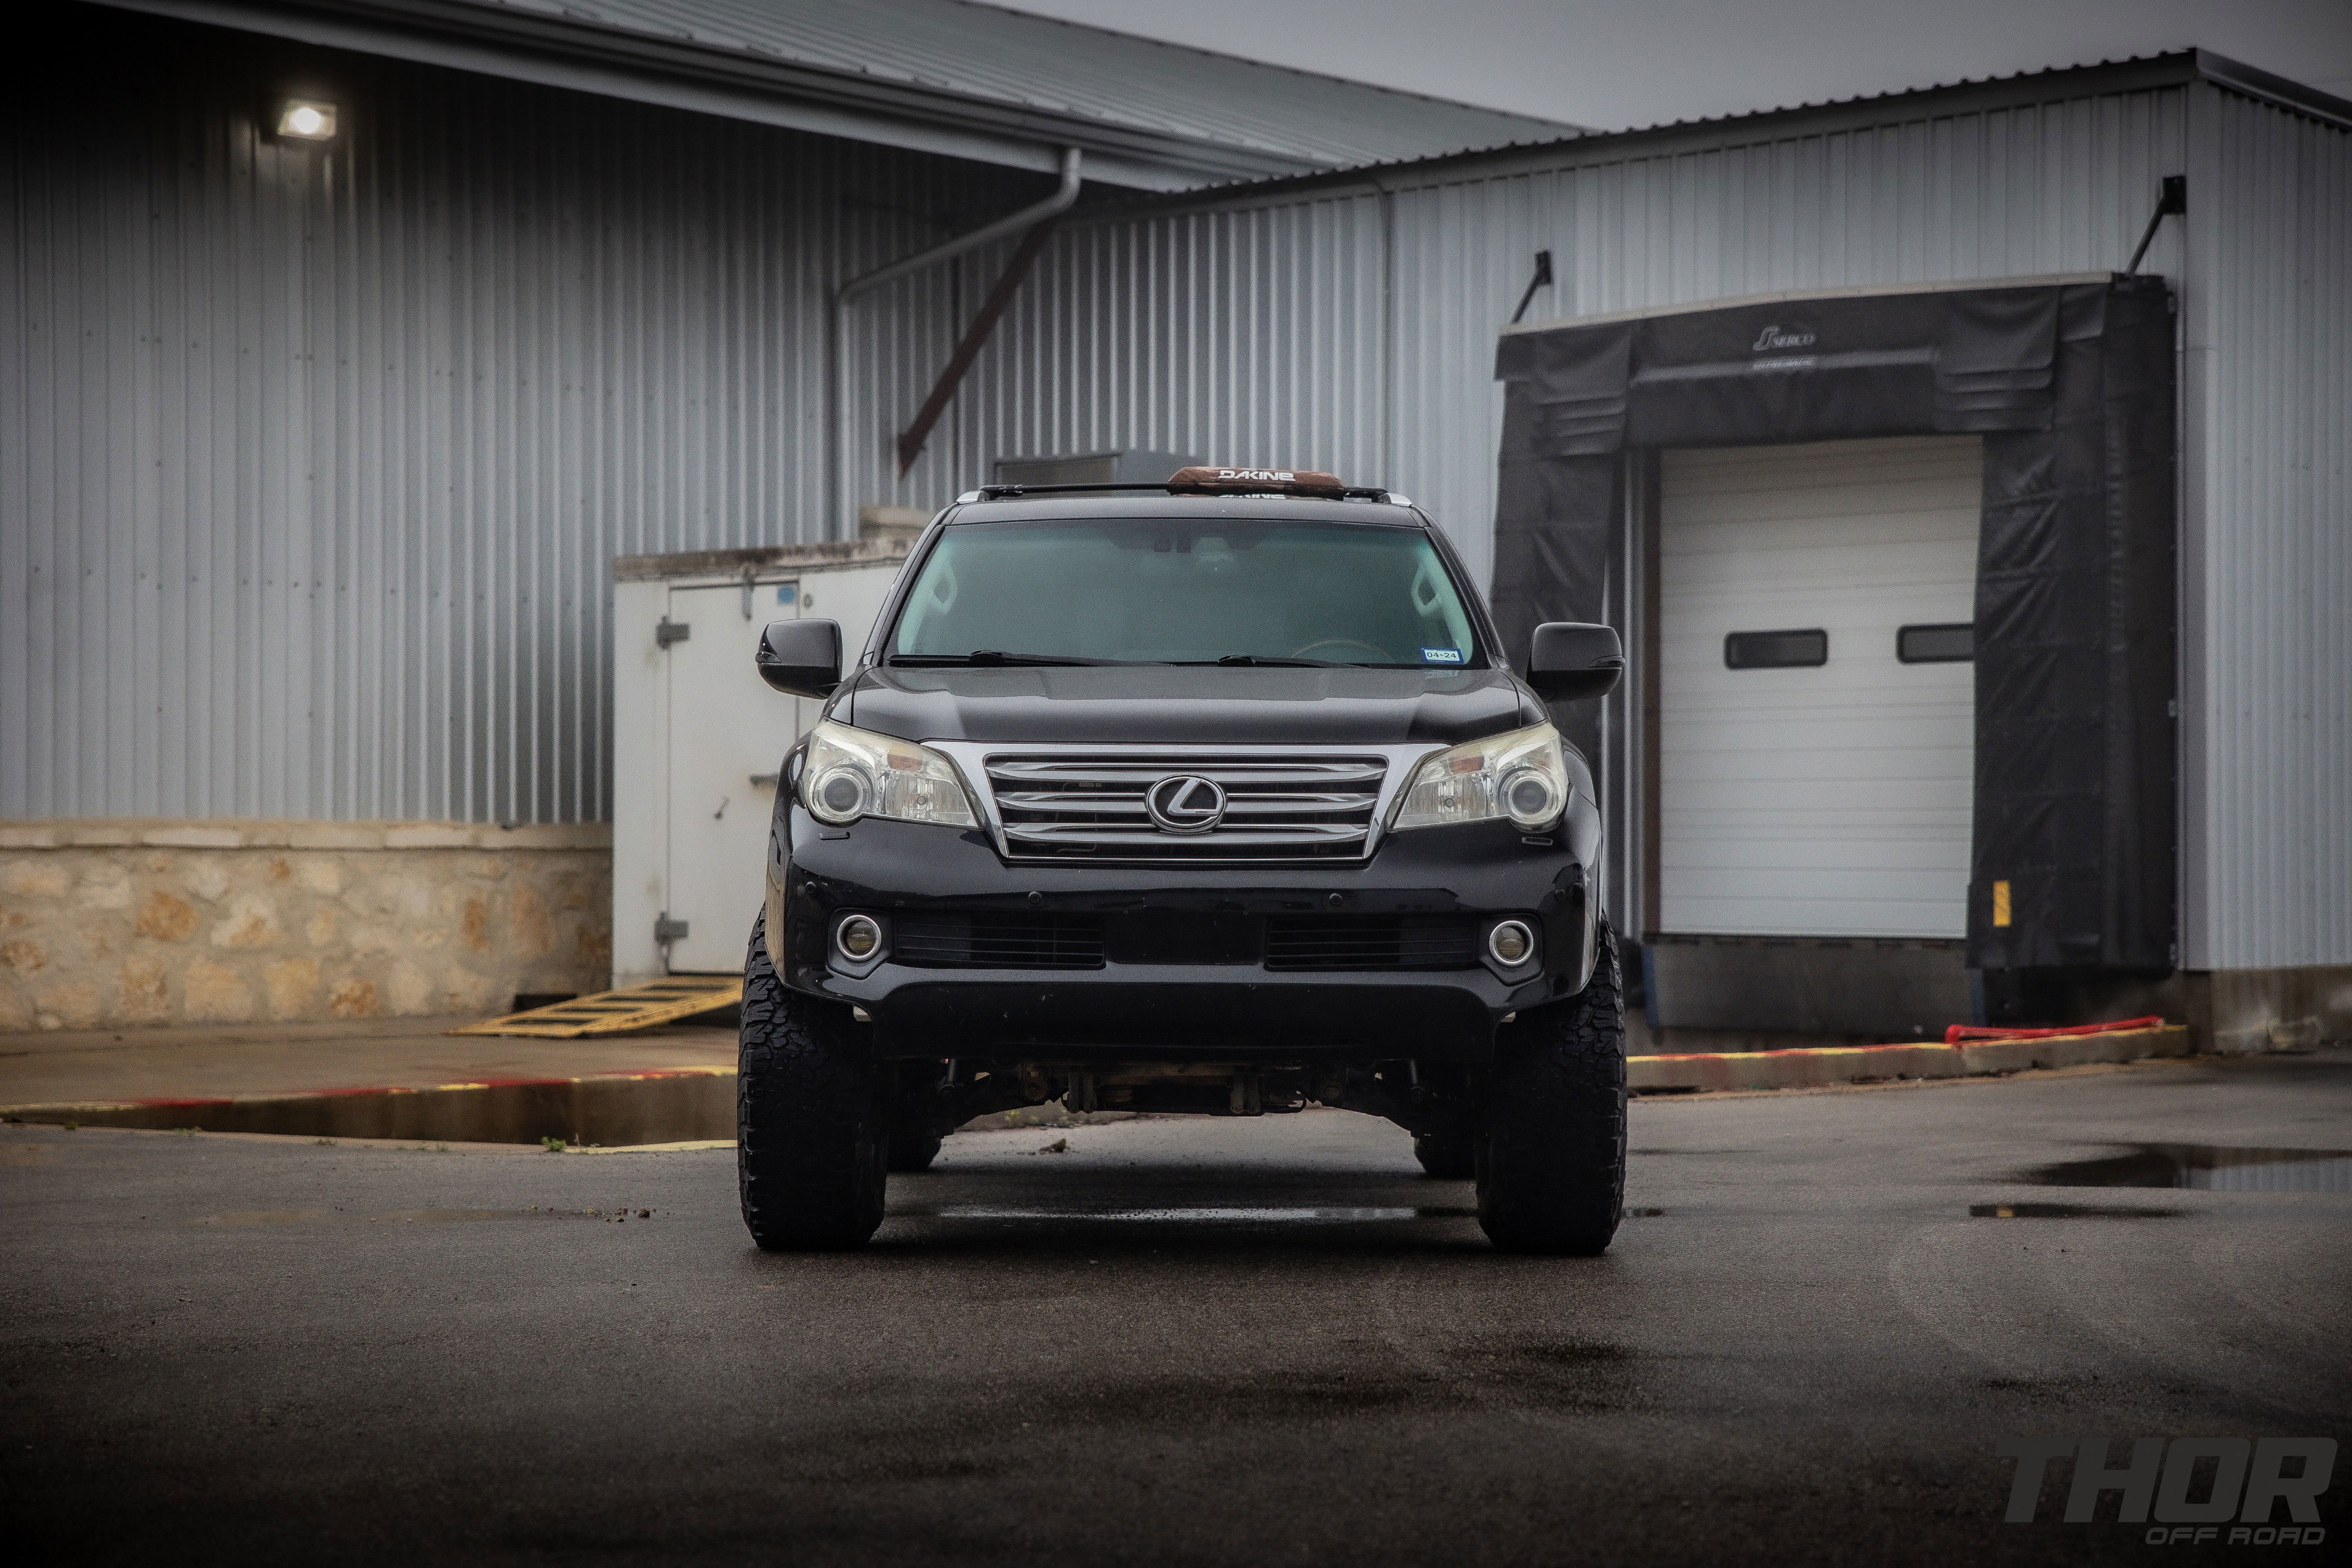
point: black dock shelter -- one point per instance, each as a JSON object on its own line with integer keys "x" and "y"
{"x": 2071, "y": 384}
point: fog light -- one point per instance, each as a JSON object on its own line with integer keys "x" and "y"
{"x": 308, "y": 120}
{"x": 1510, "y": 942}
{"x": 858, "y": 938}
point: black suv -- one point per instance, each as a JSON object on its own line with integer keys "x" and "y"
{"x": 1217, "y": 797}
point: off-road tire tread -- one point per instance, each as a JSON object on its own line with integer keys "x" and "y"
{"x": 810, "y": 1136}
{"x": 1551, "y": 1148}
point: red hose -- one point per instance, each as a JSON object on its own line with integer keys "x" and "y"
{"x": 1965, "y": 1031}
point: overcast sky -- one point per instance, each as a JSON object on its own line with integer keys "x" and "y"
{"x": 1610, "y": 64}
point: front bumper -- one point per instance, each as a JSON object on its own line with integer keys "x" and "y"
{"x": 1224, "y": 1004}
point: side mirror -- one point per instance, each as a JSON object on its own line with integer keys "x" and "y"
{"x": 802, "y": 657}
{"x": 1569, "y": 660}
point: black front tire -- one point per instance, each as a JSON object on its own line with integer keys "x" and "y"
{"x": 811, "y": 1140}
{"x": 1450, "y": 1156}
{"x": 1551, "y": 1146}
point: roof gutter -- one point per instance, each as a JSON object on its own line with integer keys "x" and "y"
{"x": 837, "y": 509}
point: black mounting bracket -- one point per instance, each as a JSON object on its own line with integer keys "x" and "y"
{"x": 1542, "y": 279}
{"x": 2173, "y": 201}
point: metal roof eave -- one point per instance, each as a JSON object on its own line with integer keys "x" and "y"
{"x": 586, "y": 57}
{"x": 2177, "y": 68}
{"x": 2253, "y": 81}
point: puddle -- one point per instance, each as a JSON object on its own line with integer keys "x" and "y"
{"x": 2208, "y": 1167}
{"x": 2066, "y": 1211}
{"x": 611, "y": 1110}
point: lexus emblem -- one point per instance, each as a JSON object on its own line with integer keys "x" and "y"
{"x": 1186, "y": 803}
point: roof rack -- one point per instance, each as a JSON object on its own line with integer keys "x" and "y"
{"x": 1007, "y": 492}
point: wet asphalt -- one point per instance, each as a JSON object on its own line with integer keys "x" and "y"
{"x": 1181, "y": 1341}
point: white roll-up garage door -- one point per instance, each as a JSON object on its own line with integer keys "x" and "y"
{"x": 1814, "y": 756}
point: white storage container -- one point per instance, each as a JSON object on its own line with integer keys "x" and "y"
{"x": 698, "y": 735}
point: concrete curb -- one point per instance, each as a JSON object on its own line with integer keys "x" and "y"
{"x": 1814, "y": 1067}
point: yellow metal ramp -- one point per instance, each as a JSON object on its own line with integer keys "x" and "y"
{"x": 618, "y": 1012}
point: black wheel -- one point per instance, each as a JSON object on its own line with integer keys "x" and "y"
{"x": 1452, "y": 1156}
{"x": 1551, "y": 1153}
{"x": 811, "y": 1141}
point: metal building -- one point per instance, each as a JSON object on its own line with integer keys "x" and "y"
{"x": 1352, "y": 322}
{"x": 315, "y": 454}
{"x": 319, "y": 435}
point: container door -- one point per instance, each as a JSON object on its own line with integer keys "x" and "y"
{"x": 729, "y": 732}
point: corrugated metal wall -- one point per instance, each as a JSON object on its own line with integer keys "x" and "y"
{"x": 1229, "y": 335}
{"x": 1355, "y": 330}
{"x": 2268, "y": 571}
{"x": 313, "y": 459}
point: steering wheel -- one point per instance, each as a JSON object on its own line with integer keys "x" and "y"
{"x": 1316, "y": 651}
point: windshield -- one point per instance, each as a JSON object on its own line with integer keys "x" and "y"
{"x": 1172, "y": 591}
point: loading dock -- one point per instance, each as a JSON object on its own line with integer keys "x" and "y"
{"x": 1899, "y": 742}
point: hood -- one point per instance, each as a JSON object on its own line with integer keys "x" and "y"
{"x": 1151, "y": 705}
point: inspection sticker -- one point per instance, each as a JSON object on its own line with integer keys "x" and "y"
{"x": 1441, "y": 655}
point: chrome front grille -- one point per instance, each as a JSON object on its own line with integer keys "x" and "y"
{"x": 1275, "y": 808}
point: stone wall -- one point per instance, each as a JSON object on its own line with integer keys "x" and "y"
{"x": 110, "y": 923}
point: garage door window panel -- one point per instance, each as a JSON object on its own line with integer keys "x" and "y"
{"x": 1948, "y": 644}
{"x": 1776, "y": 650}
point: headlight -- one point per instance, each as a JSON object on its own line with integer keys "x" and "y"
{"x": 853, "y": 773}
{"x": 1521, "y": 776}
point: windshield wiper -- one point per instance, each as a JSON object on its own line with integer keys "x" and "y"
{"x": 1246, "y": 658}
{"x": 991, "y": 656}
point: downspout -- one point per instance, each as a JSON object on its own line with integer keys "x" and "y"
{"x": 837, "y": 481}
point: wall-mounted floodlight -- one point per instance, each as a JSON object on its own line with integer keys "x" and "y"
{"x": 308, "y": 120}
